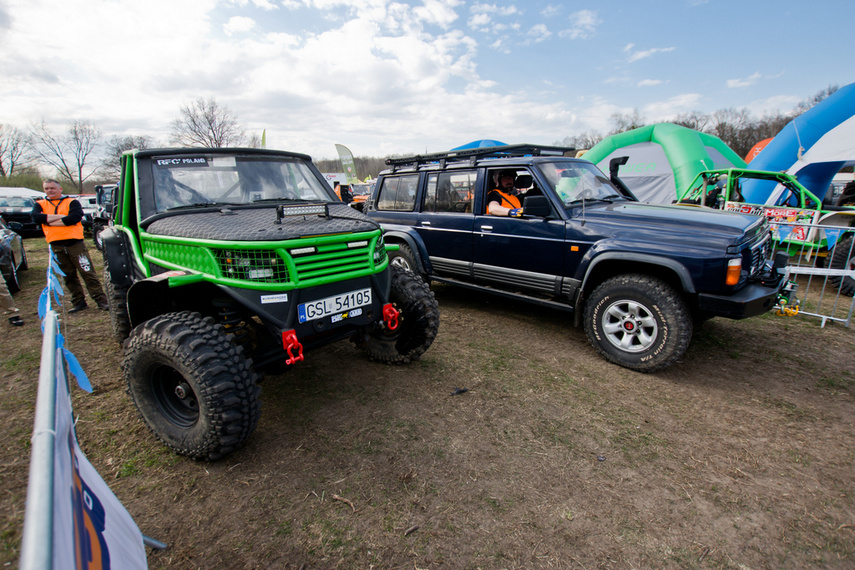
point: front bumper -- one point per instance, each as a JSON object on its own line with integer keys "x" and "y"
{"x": 752, "y": 300}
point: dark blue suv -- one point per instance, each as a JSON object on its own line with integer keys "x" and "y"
{"x": 638, "y": 276}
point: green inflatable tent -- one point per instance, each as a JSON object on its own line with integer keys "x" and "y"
{"x": 663, "y": 159}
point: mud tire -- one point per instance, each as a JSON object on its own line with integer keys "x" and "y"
{"x": 638, "y": 322}
{"x": 192, "y": 385}
{"x": 117, "y": 298}
{"x": 843, "y": 258}
{"x": 418, "y": 322}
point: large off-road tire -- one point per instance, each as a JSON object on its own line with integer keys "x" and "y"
{"x": 638, "y": 322}
{"x": 192, "y": 385}
{"x": 24, "y": 265}
{"x": 117, "y": 298}
{"x": 843, "y": 258}
{"x": 403, "y": 258}
{"x": 418, "y": 321}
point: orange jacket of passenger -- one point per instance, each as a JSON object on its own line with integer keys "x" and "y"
{"x": 63, "y": 208}
{"x": 508, "y": 199}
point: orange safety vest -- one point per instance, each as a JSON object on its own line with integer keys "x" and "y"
{"x": 56, "y": 233}
{"x": 510, "y": 199}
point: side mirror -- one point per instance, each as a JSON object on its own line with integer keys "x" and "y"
{"x": 536, "y": 206}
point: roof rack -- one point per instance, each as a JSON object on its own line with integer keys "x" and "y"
{"x": 473, "y": 154}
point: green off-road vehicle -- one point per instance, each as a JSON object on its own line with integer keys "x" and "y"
{"x": 225, "y": 264}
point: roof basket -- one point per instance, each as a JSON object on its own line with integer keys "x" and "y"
{"x": 474, "y": 154}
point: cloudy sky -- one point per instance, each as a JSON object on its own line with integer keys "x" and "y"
{"x": 412, "y": 76}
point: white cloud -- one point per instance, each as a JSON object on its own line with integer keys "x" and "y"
{"x": 550, "y": 11}
{"x": 649, "y": 82}
{"x": 745, "y": 82}
{"x": 538, "y": 33}
{"x": 263, "y": 4}
{"x": 584, "y": 25}
{"x": 671, "y": 107}
{"x": 439, "y": 12}
{"x": 484, "y": 17}
{"x": 637, "y": 55}
{"x": 238, "y": 24}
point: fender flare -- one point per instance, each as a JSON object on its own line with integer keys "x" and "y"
{"x": 116, "y": 256}
{"x": 676, "y": 267}
{"x": 406, "y": 235}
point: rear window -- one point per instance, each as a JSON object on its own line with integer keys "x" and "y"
{"x": 398, "y": 193}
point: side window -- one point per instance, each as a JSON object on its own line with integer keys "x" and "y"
{"x": 398, "y": 193}
{"x": 450, "y": 192}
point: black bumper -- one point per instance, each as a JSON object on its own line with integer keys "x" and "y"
{"x": 750, "y": 301}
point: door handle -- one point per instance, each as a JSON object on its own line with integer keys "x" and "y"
{"x": 486, "y": 228}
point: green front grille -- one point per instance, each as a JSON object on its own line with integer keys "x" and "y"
{"x": 177, "y": 255}
{"x": 304, "y": 262}
{"x": 331, "y": 260}
{"x": 258, "y": 266}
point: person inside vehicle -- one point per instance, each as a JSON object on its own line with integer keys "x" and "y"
{"x": 504, "y": 199}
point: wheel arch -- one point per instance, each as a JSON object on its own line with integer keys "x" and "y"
{"x": 609, "y": 264}
{"x": 398, "y": 237}
{"x": 149, "y": 298}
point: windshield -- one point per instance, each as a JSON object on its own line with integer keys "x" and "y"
{"x": 577, "y": 181}
{"x": 232, "y": 180}
{"x": 16, "y": 202}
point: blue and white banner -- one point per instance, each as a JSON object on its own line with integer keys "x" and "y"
{"x": 91, "y": 528}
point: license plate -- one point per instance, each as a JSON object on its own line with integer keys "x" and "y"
{"x": 332, "y": 305}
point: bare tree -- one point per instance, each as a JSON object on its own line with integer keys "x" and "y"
{"x": 14, "y": 150}
{"x": 69, "y": 153}
{"x": 811, "y": 102}
{"x": 111, "y": 167}
{"x": 695, "y": 120}
{"x": 584, "y": 141}
{"x": 207, "y": 124}
{"x": 626, "y": 122}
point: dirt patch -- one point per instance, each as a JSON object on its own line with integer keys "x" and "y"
{"x": 739, "y": 456}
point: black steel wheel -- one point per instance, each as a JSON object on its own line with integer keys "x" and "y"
{"x": 192, "y": 385}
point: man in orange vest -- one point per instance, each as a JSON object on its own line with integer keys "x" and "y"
{"x": 504, "y": 200}
{"x": 60, "y": 217}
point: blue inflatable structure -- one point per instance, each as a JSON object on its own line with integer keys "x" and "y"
{"x": 814, "y": 147}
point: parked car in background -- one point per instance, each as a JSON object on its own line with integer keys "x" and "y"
{"x": 13, "y": 258}
{"x": 18, "y": 208}
{"x": 361, "y": 192}
{"x": 89, "y": 203}
{"x": 104, "y": 197}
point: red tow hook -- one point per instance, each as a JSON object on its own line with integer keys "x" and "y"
{"x": 390, "y": 316}
{"x": 290, "y": 343}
